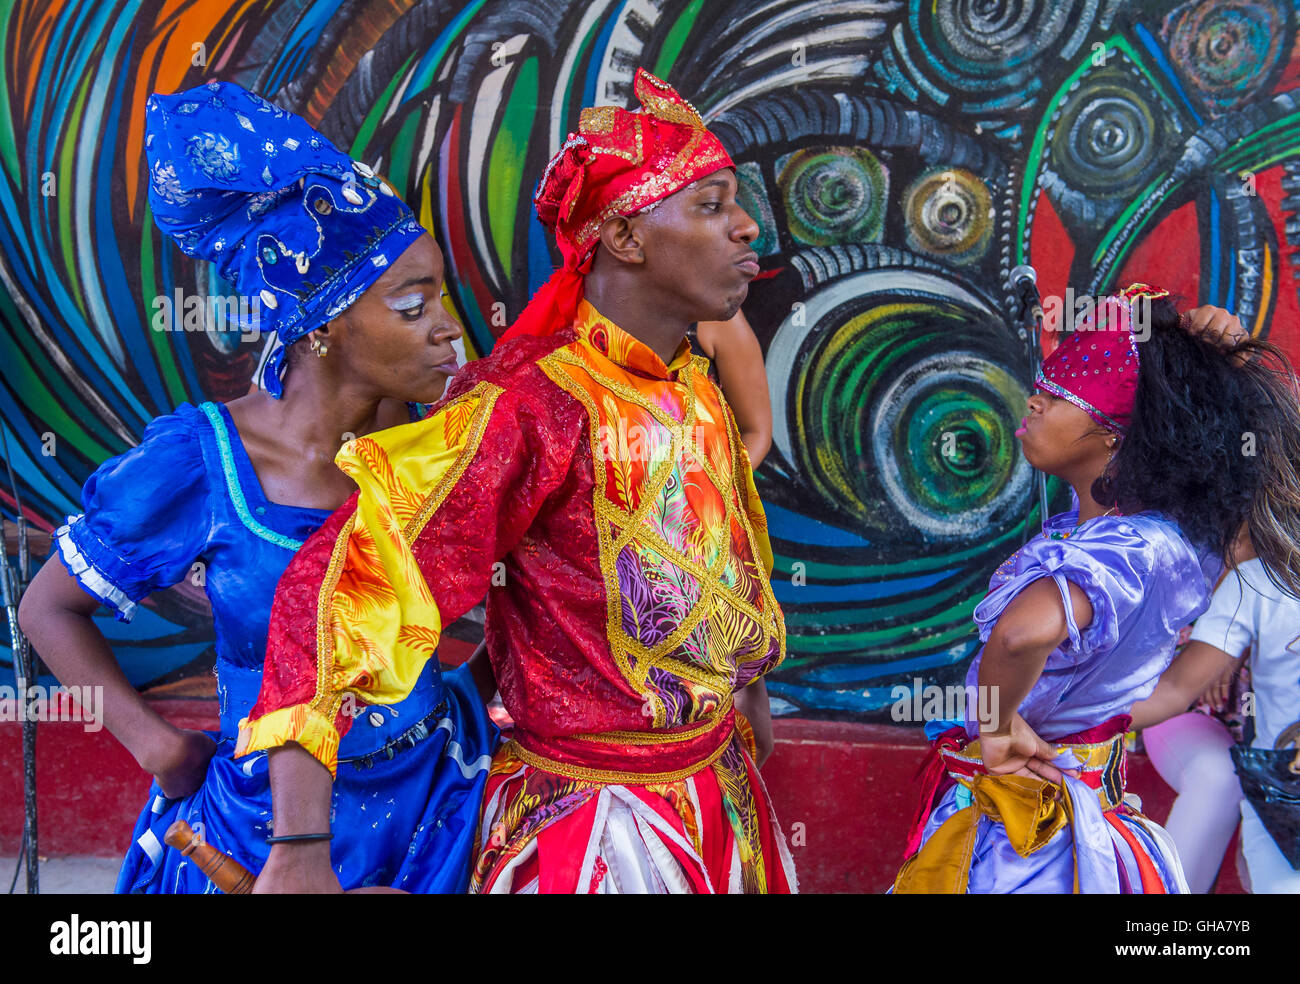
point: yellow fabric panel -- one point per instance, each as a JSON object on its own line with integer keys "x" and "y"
{"x": 300, "y": 723}
{"x": 377, "y": 621}
{"x": 383, "y": 623}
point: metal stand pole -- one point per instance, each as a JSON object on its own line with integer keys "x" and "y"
{"x": 29, "y": 772}
{"x": 11, "y": 588}
{"x": 12, "y": 581}
{"x": 1035, "y": 325}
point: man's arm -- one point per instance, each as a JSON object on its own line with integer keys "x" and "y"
{"x": 360, "y": 608}
{"x": 743, "y": 382}
{"x": 742, "y": 378}
{"x": 752, "y": 702}
{"x": 300, "y": 803}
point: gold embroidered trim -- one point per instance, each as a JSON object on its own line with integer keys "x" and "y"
{"x": 616, "y": 528}
{"x": 765, "y": 579}
{"x": 599, "y": 121}
{"x": 683, "y": 430}
{"x": 325, "y": 695}
{"x": 610, "y": 776}
{"x": 660, "y": 183}
{"x": 327, "y": 699}
{"x": 682, "y": 436}
{"x": 669, "y": 106}
{"x": 488, "y": 393}
{"x": 613, "y": 602}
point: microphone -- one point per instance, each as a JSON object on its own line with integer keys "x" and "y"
{"x": 1023, "y": 281}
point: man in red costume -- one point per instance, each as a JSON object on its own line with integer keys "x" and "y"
{"x": 591, "y": 481}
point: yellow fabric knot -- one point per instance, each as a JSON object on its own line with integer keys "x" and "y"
{"x": 1031, "y": 810}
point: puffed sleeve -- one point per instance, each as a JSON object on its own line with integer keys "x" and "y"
{"x": 362, "y": 605}
{"x": 146, "y": 517}
{"x": 1112, "y": 565}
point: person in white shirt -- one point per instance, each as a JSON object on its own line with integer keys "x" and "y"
{"x": 1247, "y": 612}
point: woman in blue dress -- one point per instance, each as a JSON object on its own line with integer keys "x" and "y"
{"x": 351, "y": 285}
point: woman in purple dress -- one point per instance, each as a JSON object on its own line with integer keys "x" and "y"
{"x": 1145, "y": 421}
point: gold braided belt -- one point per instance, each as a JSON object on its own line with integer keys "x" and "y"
{"x": 632, "y": 757}
{"x": 1032, "y": 810}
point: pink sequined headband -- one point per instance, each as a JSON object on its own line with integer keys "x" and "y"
{"x": 1095, "y": 366}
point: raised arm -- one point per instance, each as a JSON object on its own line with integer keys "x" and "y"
{"x": 743, "y": 380}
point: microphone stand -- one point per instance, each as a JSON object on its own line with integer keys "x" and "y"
{"x": 12, "y": 580}
{"x": 11, "y": 588}
{"x": 1030, "y": 323}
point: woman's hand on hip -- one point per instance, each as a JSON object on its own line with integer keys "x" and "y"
{"x": 1018, "y": 752}
{"x": 180, "y": 766}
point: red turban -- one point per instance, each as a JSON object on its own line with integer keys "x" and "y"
{"x": 619, "y": 162}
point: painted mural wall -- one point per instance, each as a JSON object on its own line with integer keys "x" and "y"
{"x": 900, "y": 158}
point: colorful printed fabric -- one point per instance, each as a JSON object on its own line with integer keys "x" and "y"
{"x": 711, "y": 832}
{"x": 1143, "y": 580}
{"x": 286, "y": 216}
{"x": 981, "y": 831}
{"x": 604, "y": 503}
{"x": 1086, "y": 837}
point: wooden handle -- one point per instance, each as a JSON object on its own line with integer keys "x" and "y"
{"x": 225, "y": 872}
{"x": 222, "y": 870}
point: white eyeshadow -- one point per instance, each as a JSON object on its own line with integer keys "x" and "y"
{"x": 405, "y": 303}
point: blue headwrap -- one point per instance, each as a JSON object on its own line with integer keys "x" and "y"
{"x": 286, "y": 216}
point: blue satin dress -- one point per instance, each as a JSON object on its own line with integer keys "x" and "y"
{"x": 410, "y": 776}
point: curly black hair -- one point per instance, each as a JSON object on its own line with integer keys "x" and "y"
{"x": 1214, "y": 444}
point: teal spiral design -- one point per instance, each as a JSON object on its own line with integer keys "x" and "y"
{"x": 834, "y": 195}
{"x": 1227, "y": 51}
{"x": 888, "y": 411}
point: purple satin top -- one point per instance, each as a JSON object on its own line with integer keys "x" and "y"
{"x": 1145, "y": 581}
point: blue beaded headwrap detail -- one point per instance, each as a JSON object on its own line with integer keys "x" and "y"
{"x": 290, "y": 220}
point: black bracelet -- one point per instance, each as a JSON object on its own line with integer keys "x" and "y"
{"x": 291, "y": 838}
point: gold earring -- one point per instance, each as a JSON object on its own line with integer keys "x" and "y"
{"x": 319, "y": 347}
